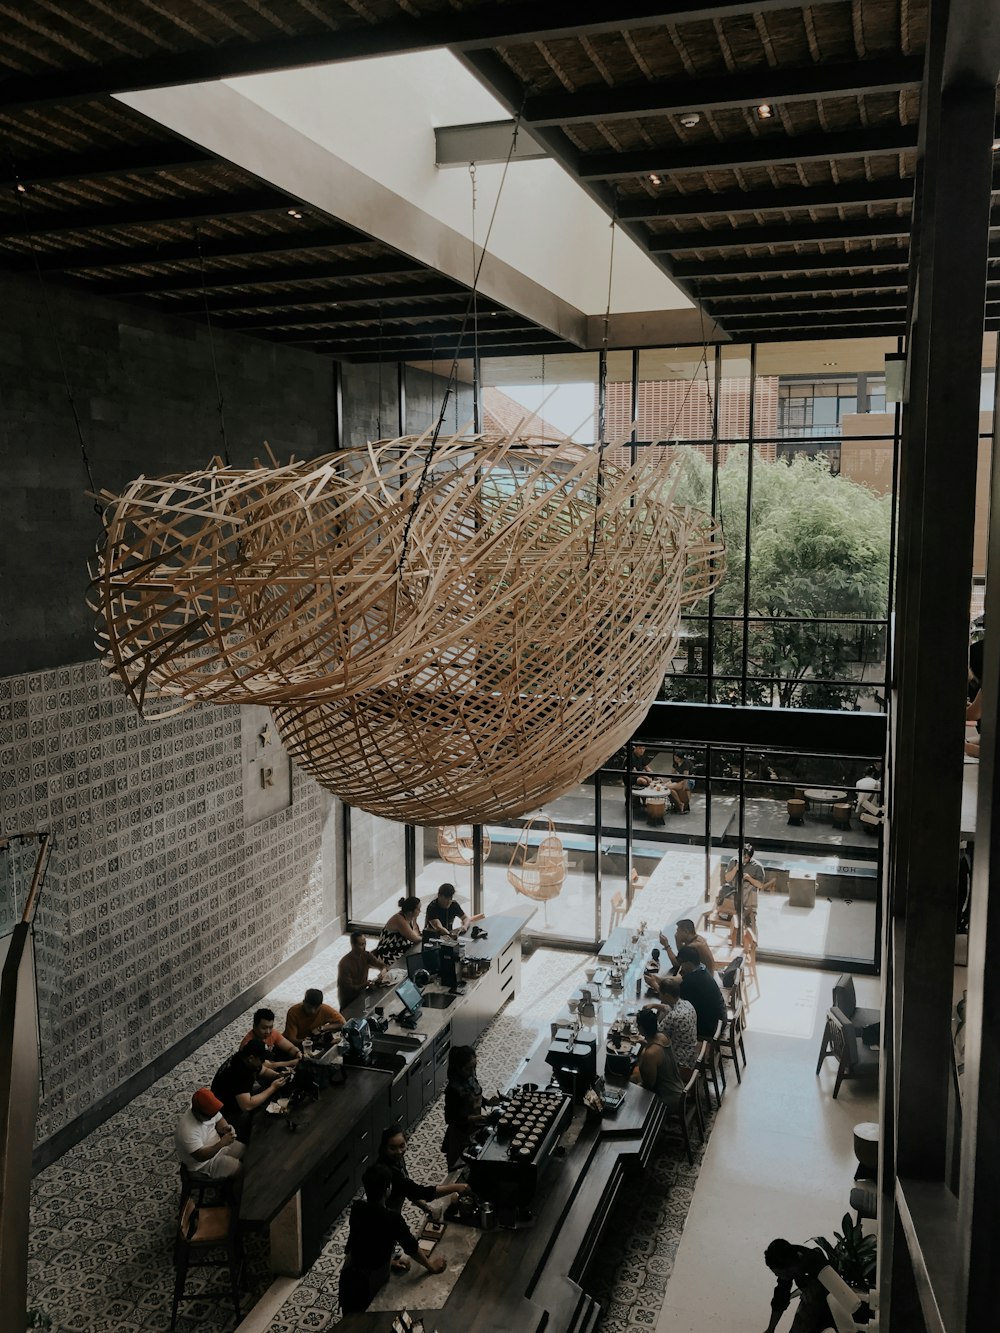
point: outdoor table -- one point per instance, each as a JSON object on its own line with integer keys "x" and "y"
{"x": 824, "y": 798}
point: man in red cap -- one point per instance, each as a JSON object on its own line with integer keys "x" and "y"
{"x": 206, "y": 1143}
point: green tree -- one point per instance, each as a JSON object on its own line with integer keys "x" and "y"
{"x": 819, "y": 548}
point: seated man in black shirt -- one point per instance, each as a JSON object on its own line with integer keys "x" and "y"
{"x": 444, "y": 915}
{"x": 374, "y": 1232}
{"x": 698, "y": 985}
{"x": 234, "y": 1082}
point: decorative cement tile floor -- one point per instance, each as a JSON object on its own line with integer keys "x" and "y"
{"x": 103, "y": 1215}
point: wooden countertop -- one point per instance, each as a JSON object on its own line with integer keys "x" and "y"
{"x": 278, "y": 1161}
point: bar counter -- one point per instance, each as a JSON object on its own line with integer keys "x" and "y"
{"x": 298, "y": 1180}
{"x": 534, "y": 1278}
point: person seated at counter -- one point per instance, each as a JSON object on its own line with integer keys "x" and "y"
{"x": 399, "y": 932}
{"x": 205, "y": 1142}
{"x": 676, "y": 1019}
{"x": 373, "y": 1234}
{"x": 685, "y": 934}
{"x": 463, "y": 1105}
{"x": 392, "y": 1154}
{"x": 281, "y": 1054}
{"x": 697, "y": 984}
{"x": 233, "y": 1085}
{"x": 311, "y": 1018}
{"x": 657, "y": 1067}
{"x": 353, "y": 969}
{"x": 443, "y": 912}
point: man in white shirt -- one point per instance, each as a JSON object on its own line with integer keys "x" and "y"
{"x": 205, "y": 1143}
{"x": 865, "y": 787}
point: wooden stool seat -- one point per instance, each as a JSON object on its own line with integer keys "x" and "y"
{"x": 618, "y": 910}
{"x": 842, "y": 815}
{"x": 796, "y": 810}
{"x": 206, "y": 1226}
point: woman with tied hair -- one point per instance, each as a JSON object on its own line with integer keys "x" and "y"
{"x": 399, "y": 932}
{"x": 463, "y": 1105}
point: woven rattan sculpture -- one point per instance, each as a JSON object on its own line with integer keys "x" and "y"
{"x": 445, "y": 638}
{"x": 241, "y": 586}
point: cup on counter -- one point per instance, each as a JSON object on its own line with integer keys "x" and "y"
{"x": 590, "y": 973}
{"x": 573, "y": 1005}
{"x": 307, "y": 1048}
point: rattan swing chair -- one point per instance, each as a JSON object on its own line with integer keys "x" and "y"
{"x": 455, "y": 844}
{"x": 542, "y": 877}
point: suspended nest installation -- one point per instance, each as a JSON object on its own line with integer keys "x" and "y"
{"x": 445, "y": 635}
{"x": 250, "y": 585}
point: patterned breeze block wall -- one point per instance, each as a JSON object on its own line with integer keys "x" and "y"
{"x": 160, "y": 905}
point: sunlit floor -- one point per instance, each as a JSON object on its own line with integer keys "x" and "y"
{"x": 783, "y": 1167}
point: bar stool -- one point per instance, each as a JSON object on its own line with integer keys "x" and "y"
{"x": 709, "y": 1065}
{"x": 730, "y": 1044}
{"x": 207, "y": 1237}
{"x": 841, "y": 816}
{"x": 618, "y": 910}
{"x": 690, "y": 1101}
{"x": 796, "y": 810}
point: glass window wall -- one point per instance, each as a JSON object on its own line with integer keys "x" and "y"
{"x": 793, "y": 448}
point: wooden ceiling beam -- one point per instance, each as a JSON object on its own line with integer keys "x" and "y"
{"x": 668, "y": 97}
{"x": 331, "y": 269}
{"x": 446, "y": 355}
{"x": 445, "y": 345}
{"x": 811, "y": 303}
{"x": 369, "y": 336}
{"x": 771, "y": 149}
{"x": 123, "y": 159}
{"x": 391, "y": 310}
{"x": 475, "y": 28}
{"x": 79, "y": 259}
{"x": 780, "y": 284}
{"x": 147, "y": 212}
{"x": 706, "y": 204}
{"x": 827, "y": 229}
{"x": 696, "y": 270}
{"x": 793, "y": 334}
{"x": 744, "y": 326}
{"x": 322, "y": 297}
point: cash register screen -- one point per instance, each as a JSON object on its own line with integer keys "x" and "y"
{"x": 411, "y": 998}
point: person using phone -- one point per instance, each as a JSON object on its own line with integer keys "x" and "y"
{"x": 234, "y": 1082}
{"x": 205, "y": 1142}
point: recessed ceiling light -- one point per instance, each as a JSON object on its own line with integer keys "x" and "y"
{"x": 294, "y": 213}
{"x": 996, "y": 146}
{"x": 654, "y": 179}
{"x": 23, "y": 189}
{"x": 829, "y": 363}
{"x": 765, "y": 111}
{"x": 690, "y": 119}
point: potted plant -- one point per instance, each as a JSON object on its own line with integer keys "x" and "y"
{"x": 851, "y": 1254}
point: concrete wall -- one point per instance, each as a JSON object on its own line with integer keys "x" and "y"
{"x": 145, "y": 394}
{"x": 162, "y": 903}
